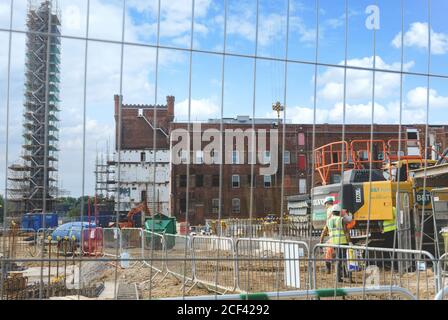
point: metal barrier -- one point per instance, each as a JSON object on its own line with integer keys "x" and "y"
{"x": 293, "y": 226}
{"x": 307, "y": 294}
{"x": 131, "y": 244}
{"x": 443, "y": 270}
{"x": 111, "y": 242}
{"x": 93, "y": 241}
{"x": 265, "y": 265}
{"x": 18, "y": 243}
{"x": 442, "y": 294}
{"x": 154, "y": 251}
{"x": 179, "y": 257}
{"x": 209, "y": 268}
{"x": 373, "y": 266}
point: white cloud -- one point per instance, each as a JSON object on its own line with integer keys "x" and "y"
{"x": 201, "y": 109}
{"x": 359, "y": 83}
{"x": 418, "y": 97}
{"x": 272, "y": 27}
{"x": 417, "y": 36}
{"x": 175, "y": 22}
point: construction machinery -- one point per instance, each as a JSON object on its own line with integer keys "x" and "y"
{"x": 142, "y": 207}
{"x": 369, "y": 178}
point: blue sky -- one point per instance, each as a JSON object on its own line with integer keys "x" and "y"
{"x": 103, "y": 76}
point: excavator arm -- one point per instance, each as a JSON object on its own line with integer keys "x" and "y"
{"x": 142, "y": 207}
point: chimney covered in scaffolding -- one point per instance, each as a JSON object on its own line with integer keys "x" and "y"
{"x": 33, "y": 182}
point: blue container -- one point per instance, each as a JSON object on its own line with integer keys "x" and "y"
{"x": 35, "y": 221}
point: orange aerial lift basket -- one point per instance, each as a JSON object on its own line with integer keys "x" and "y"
{"x": 330, "y": 158}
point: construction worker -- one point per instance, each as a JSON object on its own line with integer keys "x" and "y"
{"x": 328, "y": 203}
{"x": 339, "y": 235}
{"x": 389, "y": 231}
{"x": 389, "y": 228}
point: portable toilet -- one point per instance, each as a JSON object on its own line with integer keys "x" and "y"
{"x": 159, "y": 223}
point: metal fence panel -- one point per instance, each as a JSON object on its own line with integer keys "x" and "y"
{"x": 209, "y": 266}
{"x": 111, "y": 242}
{"x": 416, "y": 271}
{"x": 131, "y": 245}
{"x": 271, "y": 265}
{"x": 19, "y": 243}
{"x": 179, "y": 256}
{"x": 154, "y": 248}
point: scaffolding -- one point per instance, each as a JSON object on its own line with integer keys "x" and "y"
{"x": 104, "y": 176}
{"x": 32, "y": 183}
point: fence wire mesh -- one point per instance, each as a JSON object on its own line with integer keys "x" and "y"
{"x": 294, "y": 95}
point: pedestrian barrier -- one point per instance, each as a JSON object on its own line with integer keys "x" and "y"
{"x": 413, "y": 270}
{"x": 214, "y": 262}
{"x": 93, "y": 241}
{"x": 443, "y": 270}
{"x": 179, "y": 256}
{"x": 267, "y": 265}
{"x": 111, "y": 242}
{"x": 154, "y": 251}
{"x": 131, "y": 244}
{"x": 442, "y": 294}
{"x": 18, "y": 243}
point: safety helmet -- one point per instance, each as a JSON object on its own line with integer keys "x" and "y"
{"x": 328, "y": 199}
{"x": 336, "y": 208}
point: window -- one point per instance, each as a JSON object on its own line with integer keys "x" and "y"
{"x": 287, "y": 157}
{"x": 199, "y": 180}
{"x": 235, "y": 181}
{"x": 335, "y": 178}
{"x": 235, "y": 205}
{"x": 267, "y": 157}
{"x": 182, "y": 181}
{"x": 302, "y": 186}
{"x": 235, "y": 157}
{"x": 215, "y": 156}
{"x": 215, "y": 205}
{"x": 215, "y": 180}
{"x": 267, "y": 181}
{"x": 142, "y": 156}
{"x": 143, "y": 196}
{"x": 301, "y": 162}
{"x": 199, "y": 157}
{"x": 183, "y": 156}
{"x": 251, "y": 157}
{"x": 251, "y": 178}
{"x": 301, "y": 139}
{"x": 183, "y": 205}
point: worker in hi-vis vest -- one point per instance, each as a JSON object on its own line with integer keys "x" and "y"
{"x": 328, "y": 203}
{"x": 389, "y": 231}
{"x": 338, "y": 234}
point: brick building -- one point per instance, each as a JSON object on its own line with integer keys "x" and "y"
{"x": 136, "y": 162}
{"x": 137, "y": 128}
{"x": 236, "y": 176}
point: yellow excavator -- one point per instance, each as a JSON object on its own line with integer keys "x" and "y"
{"x": 368, "y": 185}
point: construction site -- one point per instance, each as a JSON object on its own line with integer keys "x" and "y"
{"x": 351, "y": 211}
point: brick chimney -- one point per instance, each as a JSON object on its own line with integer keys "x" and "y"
{"x": 117, "y": 103}
{"x": 170, "y": 106}
{"x": 116, "y": 110}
